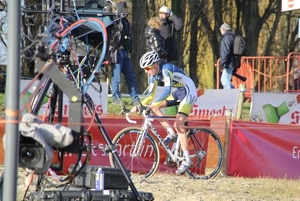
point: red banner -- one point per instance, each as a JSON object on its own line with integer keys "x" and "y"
{"x": 261, "y": 149}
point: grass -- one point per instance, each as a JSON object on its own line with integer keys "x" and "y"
{"x": 1, "y": 101}
{"x": 116, "y": 109}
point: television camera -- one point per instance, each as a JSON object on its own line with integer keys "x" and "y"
{"x": 38, "y": 140}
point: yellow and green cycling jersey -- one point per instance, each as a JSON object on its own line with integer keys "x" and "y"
{"x": 185, "y": 94}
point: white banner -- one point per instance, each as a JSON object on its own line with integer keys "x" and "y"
{"x": 100, "y": 100}
{"x": 214, "y": 102}
{"x": 287, "y": 5}
{"x": 275, "y": 108}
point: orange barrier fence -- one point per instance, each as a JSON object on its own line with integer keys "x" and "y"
{"x": 267, "y": 74}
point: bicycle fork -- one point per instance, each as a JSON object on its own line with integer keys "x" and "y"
{"x": 137, "y": 147}
{"x": 200, "y": 154}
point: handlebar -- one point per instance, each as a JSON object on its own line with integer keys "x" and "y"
{"x": 129, "y": 120}
{"x": 141, "y": 108}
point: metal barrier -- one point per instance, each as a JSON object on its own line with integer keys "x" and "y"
{"x": 267, "y": 74}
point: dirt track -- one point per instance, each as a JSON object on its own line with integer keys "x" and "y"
{"x": 167, "y": 187}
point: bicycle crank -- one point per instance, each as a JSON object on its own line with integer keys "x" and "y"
{"x": 170, "y": 162}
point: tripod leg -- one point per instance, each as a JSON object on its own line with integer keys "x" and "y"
{"x": 1, "y": 185}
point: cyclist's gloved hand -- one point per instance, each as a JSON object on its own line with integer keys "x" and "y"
{"x": 141, "y": 108}
{"x": 134, "y": 109}
{"x": 138, "y": 108}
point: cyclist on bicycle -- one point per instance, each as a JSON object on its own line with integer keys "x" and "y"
{"x": 185, "y": 96}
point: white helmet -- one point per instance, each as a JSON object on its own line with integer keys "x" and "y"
{"x": 148, "y": 59}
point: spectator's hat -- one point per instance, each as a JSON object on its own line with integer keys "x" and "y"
{"x": 164, "y": 9}
{"x": 225, "y": 27}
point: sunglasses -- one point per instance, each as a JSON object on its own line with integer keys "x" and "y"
{"x": 149, "y": 67}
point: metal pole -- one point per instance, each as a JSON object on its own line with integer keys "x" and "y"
{"x": 240, "y": 101}
{"x": 228, "y": 116}
{"x": 12, "y": 101}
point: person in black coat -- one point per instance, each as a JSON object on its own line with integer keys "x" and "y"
{"x": 154, "y": 40}
{"x": 227, "y": 58}
{"x": 170, "y": 24}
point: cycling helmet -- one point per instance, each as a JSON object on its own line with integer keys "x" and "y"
{"x": 148, "y": 59}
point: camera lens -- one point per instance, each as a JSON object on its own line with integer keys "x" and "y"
{"x": 28, "y": 155}
{"x": 31, "y": 154}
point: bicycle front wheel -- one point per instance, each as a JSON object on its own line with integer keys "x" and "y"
{"x": 145, "y": 161}
{"x": 206, "y": 153}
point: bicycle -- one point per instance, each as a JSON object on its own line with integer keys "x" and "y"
{"x": 140, "y": 152}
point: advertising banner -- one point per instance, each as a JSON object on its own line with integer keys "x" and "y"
{"x": 288, "y": 5}
{"x": 261, "y": 149}
{"x": 100, "y": 99}
{"x": 275, "y": 108}
{"x": 213, "y": 102}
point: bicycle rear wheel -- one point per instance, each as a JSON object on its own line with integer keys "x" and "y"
{"x": 146, "y": 161}
{"x": 206, "y": 153}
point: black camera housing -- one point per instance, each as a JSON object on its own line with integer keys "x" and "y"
{"x": 31, "y": 153}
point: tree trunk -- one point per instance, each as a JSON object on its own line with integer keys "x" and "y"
{"x": 138, "y": 41}
{"x": 194, "y": 19}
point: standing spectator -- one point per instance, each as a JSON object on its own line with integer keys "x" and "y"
{"x": 296, "y": 74}
{"x": 170, "y": 24}
{"x": 154, "y": 40}
{"x": 227, "y": 58}
{"x": 119, "y": 51}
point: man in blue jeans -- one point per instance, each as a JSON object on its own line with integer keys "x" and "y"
{"x": 122, "y": 62}
{"x": 227, "y": 58}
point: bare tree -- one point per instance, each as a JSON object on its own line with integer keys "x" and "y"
{"x": 138, "y": 42}
{"x": 258, "y": 21}
{"x": 194, "y": 7}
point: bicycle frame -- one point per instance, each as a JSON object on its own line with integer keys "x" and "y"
{"x": 148, "y": 125}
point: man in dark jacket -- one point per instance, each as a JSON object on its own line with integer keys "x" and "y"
{"x": 170, "y": 24}
{"x": 227, "y": 58}
{"x": 120, "y": 58}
